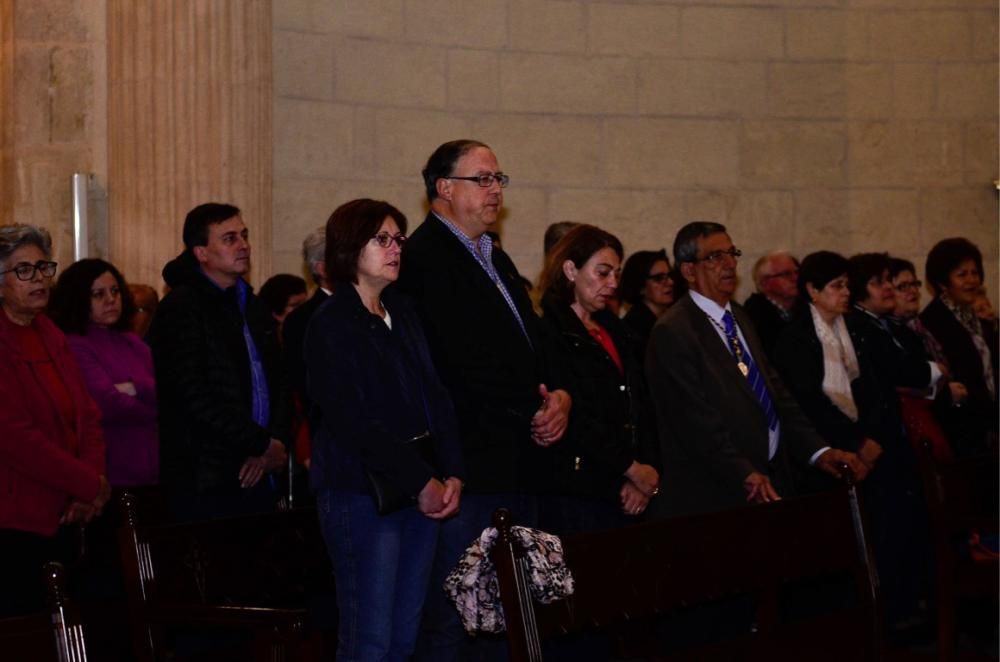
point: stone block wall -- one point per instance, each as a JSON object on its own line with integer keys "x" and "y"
{"x": 52, "y": 109}
{"x": 853, "y": 125}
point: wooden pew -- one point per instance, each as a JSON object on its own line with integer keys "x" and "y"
{"x": 255, "y": 574}
{"x": 961, "y": 498}
{"x": 55, "y": 635}
{"x": 639, "y": 573}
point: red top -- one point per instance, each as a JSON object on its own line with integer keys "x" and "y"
{"x": 47, "y": 458}
{"x": 40, "y": 362}
{"x": 603, "y": 337}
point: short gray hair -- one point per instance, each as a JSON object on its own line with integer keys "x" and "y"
{"x": 314, "y": 250}
{"x": 17, "y": 235}
{"x": 686, "y": 242}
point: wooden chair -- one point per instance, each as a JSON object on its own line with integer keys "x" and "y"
{"x": 253, "y": 574}
{"x": 961, "y": 498}
{"x": 55, "y": 635}
{"x": 638, "y": 573}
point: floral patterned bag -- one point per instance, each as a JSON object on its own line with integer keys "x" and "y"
{"x": 473, "y": 587}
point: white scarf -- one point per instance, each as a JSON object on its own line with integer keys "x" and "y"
{"x": 840, "y": 363}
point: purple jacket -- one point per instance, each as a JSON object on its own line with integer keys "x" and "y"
{"x": 107, "y": 357}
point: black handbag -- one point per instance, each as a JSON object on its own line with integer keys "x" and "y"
{"x": 389, "y": 497}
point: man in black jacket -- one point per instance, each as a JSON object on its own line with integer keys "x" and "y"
{"x": 488, "y": 349}
{"x": 223, "y": 403}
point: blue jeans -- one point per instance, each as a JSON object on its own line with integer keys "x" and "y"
{"x": 442, "y": 637}
{"x": 382, "y": 565}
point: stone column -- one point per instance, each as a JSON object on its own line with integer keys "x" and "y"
{"x": 189, "y": 121}
{"x": 6, "y": 111}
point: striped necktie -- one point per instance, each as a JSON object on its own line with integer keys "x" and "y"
{"x": 749, "y": 369}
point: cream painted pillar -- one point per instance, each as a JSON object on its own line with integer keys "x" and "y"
{"x": 189, "y": 121}
{"x": 6, "y": 111}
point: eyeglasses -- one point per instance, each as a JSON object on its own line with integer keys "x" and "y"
{"x": 27, "y": 271}
{"x": 486, "y": 181}
{"x": 909, "y": 285}
{"x": 384, "y": 239}
{"x": 715, "y": 257}
{"x": 659, "y": 278}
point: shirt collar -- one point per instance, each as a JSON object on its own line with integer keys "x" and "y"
{"x": 484, "y": 244}
{"x": 709, "y": 307}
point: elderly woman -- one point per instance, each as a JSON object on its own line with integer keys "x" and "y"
{"x": 648, "y": 287}
{"x": 93, "y": 305}
{"x": 817, "y": 358}
{"x": 602, "y": 474}
{"x": 963, "y": 342}
{"x": 386, "y": 462}
{"x": 836, "y": 369}
{"x": 51, "y": 446}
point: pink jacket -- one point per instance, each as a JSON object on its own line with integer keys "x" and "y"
{"x": 39, "y": 475}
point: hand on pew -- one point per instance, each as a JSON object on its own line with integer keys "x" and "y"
{"x": 870, "y": 452}
{"x": 633, "y": 500}
{"x": 80, "y": 511}
{"x": 759, "y": 488}
{"x": 832, "y": 459}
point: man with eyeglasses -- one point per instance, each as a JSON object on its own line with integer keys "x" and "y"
{"x": 772, "y": 306}
{"x": 489, "y": 352}
{"x": 729, "y": 430}
{"x": 224, "y": 410}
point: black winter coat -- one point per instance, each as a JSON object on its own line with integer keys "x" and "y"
{"x": 611, "y": 423}
{"x": 203, "y": 381}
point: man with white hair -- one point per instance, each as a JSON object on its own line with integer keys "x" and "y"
{"x": 776, "y": 276}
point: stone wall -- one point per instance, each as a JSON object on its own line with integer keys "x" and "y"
{"x": 52, "y": 109}
{"x": 852, "y": 125}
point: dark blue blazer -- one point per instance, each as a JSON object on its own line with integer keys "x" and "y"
{"x": 375, "y": 389}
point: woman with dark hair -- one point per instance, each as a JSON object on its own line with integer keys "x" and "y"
{"x": 283, "y": 293}
{"x": 386, "y": 462}
{"x": 51, "y": 445}
{"x": 93, "y": 305}
{"x": 836, "y": 370}
{"x": 648, "y": 287}
{"x": 963, "y": 342}
{"x": 602, "y": 471}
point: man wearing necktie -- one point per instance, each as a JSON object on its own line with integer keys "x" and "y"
{"x": 729, "y": 429}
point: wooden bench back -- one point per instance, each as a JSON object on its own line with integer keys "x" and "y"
{"x": 256, "y": 571}
{"x": 55, "y": 635}
{"x": 651, "y": 569}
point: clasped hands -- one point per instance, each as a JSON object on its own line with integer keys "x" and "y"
{"x": 254, "y": 468}
{"x": 83, "y": 512}
{"x": 439, "y": 500}
{"x": 549, "y": 423}
{"x": 642, "y": 485}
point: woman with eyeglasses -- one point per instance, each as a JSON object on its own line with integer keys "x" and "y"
{"x": 837, "y": 372}
{"x": 964, "y": 342}
{"x": 51, "y": 444}
{"x": 602, "y": 472}
{"x": 93, "y": 306}
{"x": 386, "y": 464}
{"x": 894, "y": 493}
{"x": 649, "y": 287}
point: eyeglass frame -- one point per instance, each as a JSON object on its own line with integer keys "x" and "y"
{"x": 485, "y": 181}
{"x": 661, "y": 277}
{"x": 908, "y": 285}
{"x": 384, "y": 239}
{"x": 37, "y": 267}
{"x": 715, "y": 256}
